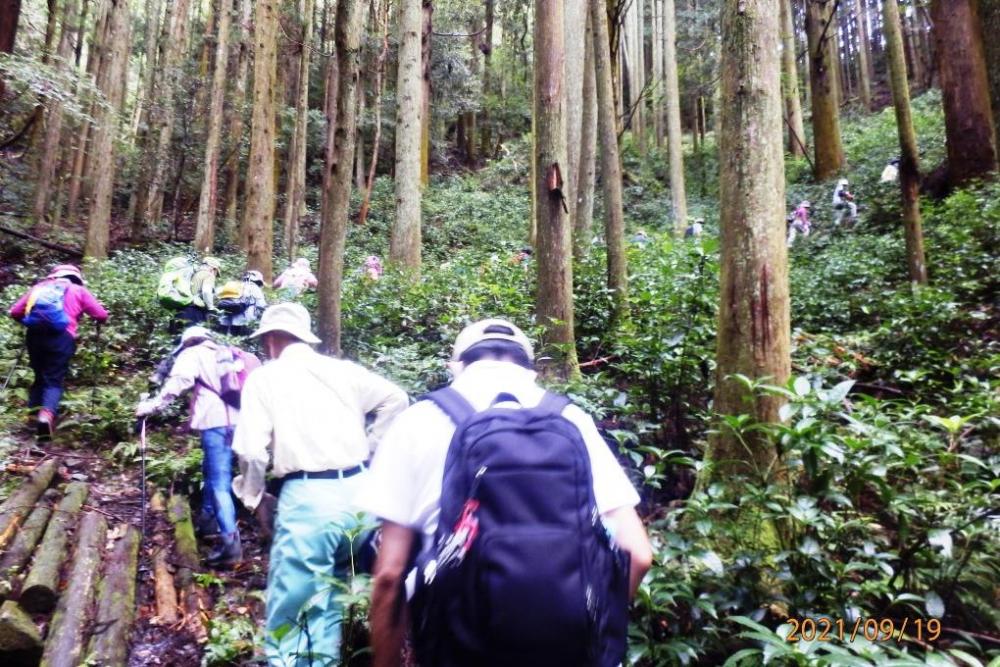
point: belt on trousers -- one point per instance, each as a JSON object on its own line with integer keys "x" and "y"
{"x": 341, "y": 473}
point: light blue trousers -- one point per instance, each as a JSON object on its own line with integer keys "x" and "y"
{"x": 311, "y": 546}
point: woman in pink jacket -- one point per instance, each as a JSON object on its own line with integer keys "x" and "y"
{"x": 51, "y": 310}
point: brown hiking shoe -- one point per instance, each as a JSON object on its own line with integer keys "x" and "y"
{"x": 46, "y": 424}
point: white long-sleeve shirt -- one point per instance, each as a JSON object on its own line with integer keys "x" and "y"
{"x": 194, "y": 363}
{"x": 307, "y": 411}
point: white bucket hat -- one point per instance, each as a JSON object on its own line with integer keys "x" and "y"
{"x": 195, "y": 333}
{"x": 491, "y": 329}
{"x": 292, "y": 318}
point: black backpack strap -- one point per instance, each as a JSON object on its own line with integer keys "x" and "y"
{"x": 452, "y": 404}
{"x": 553, "y": 403}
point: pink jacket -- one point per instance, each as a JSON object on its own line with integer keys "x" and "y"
{"x": 78, "y": 300}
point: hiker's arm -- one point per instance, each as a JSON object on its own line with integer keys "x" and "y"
{"x": 250, "y": 442}
{"x": 382, "y": 397}
{"x": 388, "y": 612}
{"x": 631, "y": 536}
{"x": 18, "y": 309}
{"x": 92, "y": 306}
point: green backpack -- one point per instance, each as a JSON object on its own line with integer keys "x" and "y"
{"x": 174, "y": 290}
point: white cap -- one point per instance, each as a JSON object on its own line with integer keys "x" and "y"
{"x": 292, "y": 318}
{"x": 491, "y": 329}
{"x": 194, "y": 333}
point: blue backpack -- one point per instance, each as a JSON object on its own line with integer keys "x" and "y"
{"x": 522, "y": 571}
{"x": 46, "y": 307}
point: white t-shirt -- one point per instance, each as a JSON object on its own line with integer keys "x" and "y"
{"x": 404, "y": 484}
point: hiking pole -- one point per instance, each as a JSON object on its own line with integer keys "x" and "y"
{"x": 100, "y": 354}
{"x": 142, "y": 468}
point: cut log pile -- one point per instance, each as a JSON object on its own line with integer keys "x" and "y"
{"x": 68, "y": 579}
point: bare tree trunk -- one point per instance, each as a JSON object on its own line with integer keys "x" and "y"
{"x": 10, "y": 13}
{"x": 964, "y": 85}
{"x": 486, "y": 143}
{"x": 258, "y": 217}
{"x": 583, "y": 221}
{"x": 427, "y": 31}
{"x": 359, "y": 148}
{"x": 913, "y": 44}
{"x": 658, "y": 81}
{"x": 675, "y": 154}
{"x": 235, "y": 124}
{"x": 554, "y": 300}
{"x": 990, "y": 14}
{"x": 909, "y": 167}
{"x": 822, "y": 33}
{"x": 864, "y": 54}
{"x": 790, "y": 79}
{"x": 379, "y": 91}
{"x": 333, "y": 234}
{"x": 404, "y": 244}
{"x": 295, "y": 197}
{"x": 117, "y": 41}
{"x": 754, "y": 324}
{"x": 204, "y": 231}
{"x": 575, "y": 25}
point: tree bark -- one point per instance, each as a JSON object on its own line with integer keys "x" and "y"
{"x": 790, "y": 81}
{"x": 426, "y": 36}
{"x": 66, "y": 637}
{"x": 235, "y": 124}
{"x": 369, "y": 182}
{"x": 753, "y": 338}
{"x": 583, "y": 220}
{"x": 40, "y": 588}
{"x": 20, "y": 640}
{"x": 405, "y": 242}
{"x": 337, "y": 195}
{"x": 17, "y": 554}
{"x": 554, "y": 300}
{"x": 165, "y": 591}
{"x": 575, "y": 18}
{"x": 295, "y": 197}
{"x": 659, "y": 111}
{"x": 258, "y": 217}
{"x": 864, "y": 54}
{"x": 989, "y": 13}
{"x": 10, "y": 13}
{"x": 822, "y": 33}
{"x": 968, "y": 122}
{"x": 675, "y": 154}
{"x": 19, "y": 503}
{"x": 909, "y": 156}
{"x": 116, "y": 599}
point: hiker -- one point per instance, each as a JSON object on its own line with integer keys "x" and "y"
{"x": 306, "y": 412}
{"x": 174, "y": 289}
{"x": 640, "y": 238}
{"x": 522, "y": 257}
{"x": 204, "y": 367}
{"x": 530, "y": 586}
{"x": 891, "y": 171}
{"x": 241, "y": 303}
{"x": 51, "y": 312}
{"x": 694, "y": 230}
{"x": 202, "y": 292}
{"x": 296, "y": 279}
{"x": 798, "y": 222}
{"x": 372, "y": 267}
{"x": 843, "y": 203}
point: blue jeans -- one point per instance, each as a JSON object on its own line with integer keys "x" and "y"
{"x": 49, "y": 353}
{"x": 217, "y": 470}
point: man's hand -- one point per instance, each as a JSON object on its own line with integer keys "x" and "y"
{"x": 147, "y": 407}
{"x": 265, "y": 515}
{"x": 388, "y": 617}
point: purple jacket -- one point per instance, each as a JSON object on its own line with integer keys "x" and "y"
{"x": 78, "y": 300}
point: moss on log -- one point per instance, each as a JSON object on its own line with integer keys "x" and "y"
{"x": 65, "y": 641}
{"x": 185, "y": 545}
{"x": 116, "y": 603}
{"x": 20, "y": 503}
{"x": 17, "y": 554}
{"x": 20, "y": 641}
{"x": 41, "y": 587}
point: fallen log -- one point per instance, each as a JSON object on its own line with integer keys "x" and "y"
{"x": 163, "y": 578}
{"x": 65, "y": 641}
{"x": 73, "y": 252}
{"x": 20, "y": 641}
{"x": 16, "y": 557}
{"x": 41, "y": 587}
{"x": 185, "y": 545}
{"x": 23, "y": 500}
{"x": 116, "y": 604}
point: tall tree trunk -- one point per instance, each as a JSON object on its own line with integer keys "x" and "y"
{"x": 822, "y": 32}
{"x": 333, "y": 234}
{"x": 678, "y": 197}
{"x": 913, "y": 46}
{"x": 10, "y": 13}
{"x": 790, "y": 82}
{"x": 204, "y": 231}
{"x": 426, "y": 33}
{"x": 117, "y": 44}
{"x": 258, "y": 218}
{"x": 404, "y": 244}
{"x": 990, "y": 14}
{"x": 753, "y": 338}
{"x": 359, "y": 148}
{"x": 369, "y": 183}
{"x": 909, "y": 168}
{"x": 485, "y": 131}
{"x": 583, "y": 221}
{"x": 52, "y": 146}
{"x": 575, "y": 24}
{"x": 968, "y": 119}
{"x": 295, "y": 197}
{"x": 864, "y": 54}
{"x": 658, "y": 61}
{"x": 235, "y": 123}
{"x": 554, "y": 300}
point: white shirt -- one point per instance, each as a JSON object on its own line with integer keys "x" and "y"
{"x": 404, "y": 483}
{"x": 194, "y": 363}
{"x": 309, "y": 411}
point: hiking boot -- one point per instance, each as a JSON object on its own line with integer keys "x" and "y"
{"x": 227, "y": 554}
{"x": 206, "y": 525}
{"x": 46, "y": 425}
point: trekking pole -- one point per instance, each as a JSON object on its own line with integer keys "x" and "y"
{"x": 10, "y": 374}
{"x": 142, "y": 469}
{"x": 100, "y": 354}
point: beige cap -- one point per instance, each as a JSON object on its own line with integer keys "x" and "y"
{"x": 491, "y": 329}
{"x": 292, "y": 318}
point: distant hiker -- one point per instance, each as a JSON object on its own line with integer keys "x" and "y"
{"x": 214, "y": 373}
{"x": 509, "y": 529}
{"x": 373, "y": 267}
{"x": 202, "y": 292}
{"x": 891, "y": 171}
{"x": 522, "y": 257}
{"x": 640, "y": 238}
{"x": 695, "y": 229}
{"x": 306, "y": 413}
{"x": 241, "y": 303}
{"x": 798, "y": 222}
{"x": 51, "y": 311}
{"x": 296, "y": 279}
{"x": 844, "y": 207}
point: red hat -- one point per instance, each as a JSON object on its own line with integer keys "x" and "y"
{"x": 67, "y": 271}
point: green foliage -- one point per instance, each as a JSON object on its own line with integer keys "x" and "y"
{"x": 232, "y": 639}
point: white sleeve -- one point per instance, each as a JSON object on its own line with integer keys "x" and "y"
{"x": 612, "y": 488}
{"x": 251, "y": 440}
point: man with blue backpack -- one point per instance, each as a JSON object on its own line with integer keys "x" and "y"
{"x": 215, "y": 374}
{"x": 51, "y": 311}
{"x": 506, "y": 519}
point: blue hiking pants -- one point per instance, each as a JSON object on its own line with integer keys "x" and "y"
{"x": 310, "y": 549}
{"x": 49, "y": 353}
{"x": 217, "y": 471}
